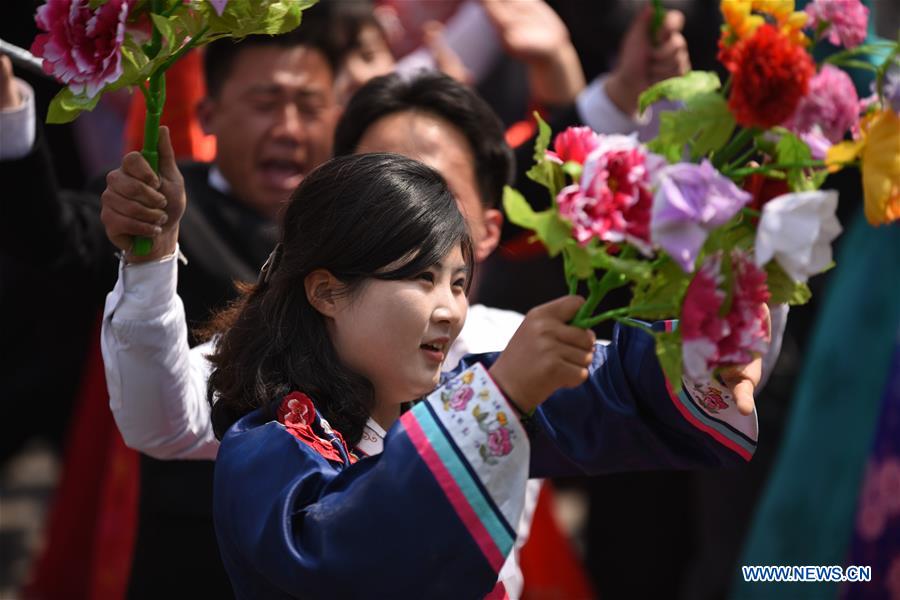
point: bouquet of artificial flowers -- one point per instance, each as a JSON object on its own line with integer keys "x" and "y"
{"x": 97, "y": 46}
{"x": 676, "y": 219}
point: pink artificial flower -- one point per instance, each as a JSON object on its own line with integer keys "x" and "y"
{"x": 831, "y": 106}
{"x": 82, "y": 47}
{"x": 847, "y": 20}
{"x": 461, "y": 398}
{"x": 612, "y": 202}
{"x": 574, "y": 144}
{"x": 711, "y": 340}
{"x": 499, "y": 443}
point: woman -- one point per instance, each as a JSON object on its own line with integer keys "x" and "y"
{"x": 346, "y": 328}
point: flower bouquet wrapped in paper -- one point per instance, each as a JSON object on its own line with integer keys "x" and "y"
{"x": 97, "y": 46}
{"x": 680, "y": 220}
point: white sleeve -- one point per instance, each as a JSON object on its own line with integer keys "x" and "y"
{"x": 17, "y": 128}
{"x": 599, "y": 112}
{"x": 157, "y": 384}
{"x": 470, "y": 35}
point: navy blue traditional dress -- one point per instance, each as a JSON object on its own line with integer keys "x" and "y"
{"x": 298, "y": 514}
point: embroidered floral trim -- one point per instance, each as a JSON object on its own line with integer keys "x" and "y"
{"x": 298, "y": 415}
{"x": 492, "y": 421}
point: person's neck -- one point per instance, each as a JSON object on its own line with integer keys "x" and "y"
{"x": 385, "y": 413}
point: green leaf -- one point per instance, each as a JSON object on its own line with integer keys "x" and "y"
{"x": 573, "y": 170}
{"x": 167, "y": 27}
{"x": 66, "y": 106}
{"x": 791, "y": 149}
{"x": 665, "y": 287}
{"x": 679, "y": 88}
{"x": 783, "y": 289}
{"x": 247, "y": 17}
{"x": 704, "y": 125}
{"x": 715, "y": 123}
{"x": 668, "y": 352}
{"x": 548, "y": 227}
{"x": 542, "y": 141}
{"x": 517, "y": 209}
{"x": 579, "y": 260}
{"x": 635, "y": 269}
{"x": 550, "y": 175}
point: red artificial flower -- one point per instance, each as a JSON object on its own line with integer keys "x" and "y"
{"x": 613, "y": 200}
{"x": 770, "y": 74}
{"x": 298, "y": 413}
{"x": 82, "y": 46}
{"x": 711, "y": 340}
{"x": 574, "y": 144}
{"x": 763, "y": 189}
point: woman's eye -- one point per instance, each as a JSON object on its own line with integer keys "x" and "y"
{"x": 426, "y": 276}
{"x": 460, "y": 283}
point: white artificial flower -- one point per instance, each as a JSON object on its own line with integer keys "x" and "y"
{"x": 797, "y": 230}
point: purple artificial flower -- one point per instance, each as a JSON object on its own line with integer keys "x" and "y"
{"x": 891, "y": 86}
{"x": 690, "y": 201}
{"x": 219, "y": 6}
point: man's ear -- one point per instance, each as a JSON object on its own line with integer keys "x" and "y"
{"x": 322, "y": 291}
{"x": 493, "y": 226}
{"x": 205, "y": 111}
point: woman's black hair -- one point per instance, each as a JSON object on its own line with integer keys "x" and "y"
{"x": 381, "y": 216}
{"x": 446, "y": 98}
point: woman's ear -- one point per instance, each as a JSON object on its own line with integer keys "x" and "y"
{"x": 322, "y": 291}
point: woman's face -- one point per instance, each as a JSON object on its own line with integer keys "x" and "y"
{"x": 397, "y": 333}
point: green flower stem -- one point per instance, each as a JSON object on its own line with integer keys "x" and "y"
{"x": 194, "y": 41}
{"x": 597, "y": 290}
{"x": 736, "y": 144}
{"x": 742, "y": 159}
{"x": 624, "y": 312}
{"x": 774, "y": 168}
{"x": 750, "y": 212}
{"x": 871, "y": 48}
{"x": 156, "y": 99}
{"x": 656, "y": 20}
{"x": 154, "y": 96}
{"x": 633, "y": 323}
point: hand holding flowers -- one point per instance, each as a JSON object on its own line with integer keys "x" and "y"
{"x": 97, "y": 46}
{"x": 670, "y": 219}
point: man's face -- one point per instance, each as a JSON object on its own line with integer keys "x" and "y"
{"x": 273, "y": 120}
{"x": 439, "y": 144}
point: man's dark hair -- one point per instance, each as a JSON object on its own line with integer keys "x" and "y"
{"x": 315, "y": 31}
{"x": 361, "y": 217}
{"x": 442, "y": 96}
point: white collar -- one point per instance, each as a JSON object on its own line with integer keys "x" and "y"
{"x": 372, "y": 440}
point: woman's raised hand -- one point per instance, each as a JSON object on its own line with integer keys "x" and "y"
{"x": 545, "y": 354}
{"x": 138, "y": 202}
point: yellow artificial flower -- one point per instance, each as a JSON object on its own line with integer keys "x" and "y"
{"x": 741, "y": 21}
{"x": 878, "y": 148}
{"x": 739, "y": 17}
{"x": 501, "y": 418}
